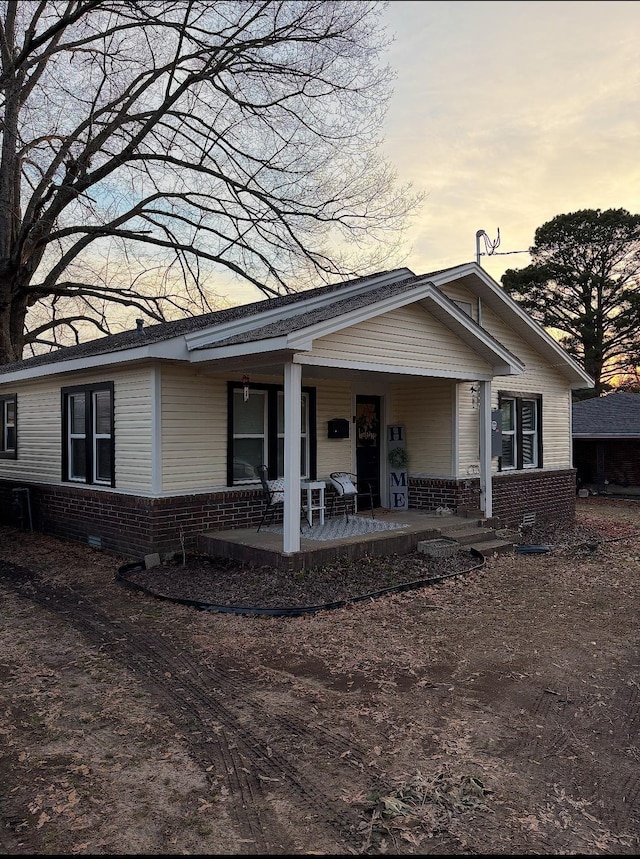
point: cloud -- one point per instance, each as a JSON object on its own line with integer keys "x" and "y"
{"x": 508, "y": 114}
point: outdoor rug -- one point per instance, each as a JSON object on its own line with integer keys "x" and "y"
{"x": 338, "y": 528}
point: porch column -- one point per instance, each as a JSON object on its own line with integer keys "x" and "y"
{"x": 486, "y": 495}
{"x": 292, "y": 428}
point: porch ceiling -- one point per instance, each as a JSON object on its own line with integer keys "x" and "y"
{"x": 251, "y": 365}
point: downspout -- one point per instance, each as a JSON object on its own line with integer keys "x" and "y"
{"x": 292, "y": 426}
{"x": 486, "y": 489}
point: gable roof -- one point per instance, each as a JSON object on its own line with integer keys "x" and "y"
{"x": 290, "y": 323}
{"x": 615, "y": 415}
{"x": 241, "y": 316}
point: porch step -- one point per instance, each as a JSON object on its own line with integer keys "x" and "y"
{"x": 453, "y": 527}
{"x": 467, "y": 536}
{"x": 492, "y": 547}
{"x": 478, "y": 535}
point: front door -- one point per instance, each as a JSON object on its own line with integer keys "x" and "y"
{"x": 368, "y": 448}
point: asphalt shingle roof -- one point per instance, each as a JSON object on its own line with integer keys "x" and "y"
{"x": 166, "y": 330}
{"x": 617, "y": 413}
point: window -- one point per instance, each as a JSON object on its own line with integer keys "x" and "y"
{"x": 257, "y": 432}
{"x": 8, "y": 426}
{"x": 465, "y": 306}
{"x": 87, "y": 421}
{"x": 521, "y": 431}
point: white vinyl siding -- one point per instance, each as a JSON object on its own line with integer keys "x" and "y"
{"x": 132, "y": 397}
{"x": 538, "y": 378}
{"x": 40, "y": 429}
{"x": 468, "y": 439}
{"x": 334, "y": 400}
{"x": 424, "y": 406}
{"x": 39, "y": 435}
{"x": 194, "y": 431}
{"x": 409, "y": 336}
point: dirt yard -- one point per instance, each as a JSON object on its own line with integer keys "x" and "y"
{"x": 493, "y": 713}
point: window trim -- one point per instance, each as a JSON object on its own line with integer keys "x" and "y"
{"x": 519, "y": 397}
{"x": 271, "y": 441}
{"x": 8, "y": 452}
{"x": 90, "y": 434}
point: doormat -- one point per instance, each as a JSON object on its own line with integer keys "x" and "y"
{"x": 338, "y": 528}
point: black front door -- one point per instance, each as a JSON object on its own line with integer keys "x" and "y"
{"x": 368, "y": 432}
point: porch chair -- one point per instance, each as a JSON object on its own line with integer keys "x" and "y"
{"x": 273, "y": 494}
{"x": 346, "y": 486}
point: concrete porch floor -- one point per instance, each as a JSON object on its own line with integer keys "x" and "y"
{"x": 265, "y": 549}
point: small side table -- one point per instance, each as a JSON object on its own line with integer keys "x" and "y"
{"x": 310, "y": 486}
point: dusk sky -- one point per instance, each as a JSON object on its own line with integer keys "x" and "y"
{"x": 507, "y": 114}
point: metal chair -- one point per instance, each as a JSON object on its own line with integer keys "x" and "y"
{"x": 273, "y": 493}
{"x": 346, "y": 485}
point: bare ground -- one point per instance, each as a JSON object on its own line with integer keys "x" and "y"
{"x": 495, "y": 712}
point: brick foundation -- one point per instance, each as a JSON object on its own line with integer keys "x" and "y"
{"x": 132, "y": 527}
{"x": 551, "y": 495}
{"x": 129, "y": 525}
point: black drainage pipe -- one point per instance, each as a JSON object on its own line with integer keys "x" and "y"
{"x": 124, "y": 572}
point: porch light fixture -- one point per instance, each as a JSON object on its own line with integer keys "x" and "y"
{"x": 245, "y": 387}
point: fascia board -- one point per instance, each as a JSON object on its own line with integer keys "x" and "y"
{"x": 251, "y": 347}
{"x": 168, "y": 349}
{"x": 209, "y": 336}
{"x": 583, "y": 380}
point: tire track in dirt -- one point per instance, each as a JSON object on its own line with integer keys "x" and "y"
{"x": 615, "y": 797}
{"x": 217, "y": 733}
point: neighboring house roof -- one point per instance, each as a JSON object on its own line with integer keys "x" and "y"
{"x": 287, "y": 324}
{"x": 615, "y": 415}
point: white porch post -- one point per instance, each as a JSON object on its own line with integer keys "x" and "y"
{"x": 292, "y": 427}
{"x": 486, "y": 495}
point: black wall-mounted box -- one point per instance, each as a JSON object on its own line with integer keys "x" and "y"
{"x": 338, "y": 428}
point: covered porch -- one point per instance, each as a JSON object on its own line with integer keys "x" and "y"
{"x": 396, "y": 532}
{"x": 420, "y": 364}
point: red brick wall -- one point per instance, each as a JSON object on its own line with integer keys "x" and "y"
{"x": 428, "y": 494}
{"x": 549, "y": 494}
{"x": 133, "y": 527}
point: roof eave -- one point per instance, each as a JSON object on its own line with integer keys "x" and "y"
{"x": 173, "y": 350}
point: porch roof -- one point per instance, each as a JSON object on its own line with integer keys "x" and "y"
{"x": 296, "y": 333}
{"x": 287, "y": 325}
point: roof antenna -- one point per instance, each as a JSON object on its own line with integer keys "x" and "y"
{"x": 489, "y": 247}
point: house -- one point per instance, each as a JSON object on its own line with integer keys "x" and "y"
{"x": 138, "y": 441}
{"x": 606, "y": 443}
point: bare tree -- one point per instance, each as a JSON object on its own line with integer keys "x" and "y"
{"x": 148, "y": 145}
